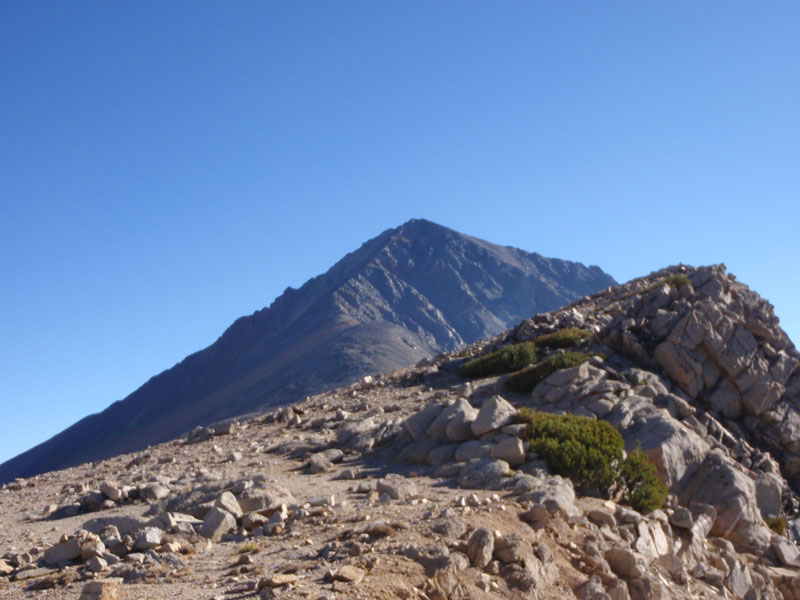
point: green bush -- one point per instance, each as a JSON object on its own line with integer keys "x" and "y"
{"x": 589, "y": 452}
{"x": 586, "y": 450}
{"x": 642, "y": 488}
{"x": 677, "y": 280}
{"x": 564, "y": 338}
{"x": 508, "y": 359}
{"x": 524, "y": 381}
{"x": 777, "y": 524}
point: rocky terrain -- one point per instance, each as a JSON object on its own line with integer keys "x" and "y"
{"x": 409, "y": 293}
{"x": 420, "y": 483}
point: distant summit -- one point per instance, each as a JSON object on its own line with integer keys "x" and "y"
{"x": 409, "y": 293}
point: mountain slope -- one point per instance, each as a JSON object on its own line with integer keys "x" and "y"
{"x": 409, "y": 293}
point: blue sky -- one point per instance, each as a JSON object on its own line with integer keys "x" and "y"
{"x": 166, "y": 167}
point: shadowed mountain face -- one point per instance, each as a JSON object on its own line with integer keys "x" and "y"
{"x": 409, "y": 293}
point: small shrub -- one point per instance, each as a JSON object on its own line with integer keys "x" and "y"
{"x": 564, "y": 338}
{"x": 589, "y": 452}
{"x": 586, "y": 450}
{"x": 526, "y": 380}
{"x": 248, "y": 547}
{"x": 777, "y": 524}
{"x": 505, "y": 360}
{"x": 642, "y": 488}
{"x": 677, "y": 280}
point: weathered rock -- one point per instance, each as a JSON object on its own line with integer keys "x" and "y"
{"x": 228, "y": 502}
{"x": 624, "y": 563}
{"x": 418, "y": 423}
{"x": 350, "y": 574}
{"x": 102, "y": 589}
{"x": 482, "y": 473}
{"x": 510, "y": 450}
{"x": 726, "y": 486}
{"x": 319, "y": 463}
{"x": 63, "y": 552}
{"x": 556, "y": 494}
{"x": 786, "y": 552}
{"x": 112, "y": 490}
{"x": 397, "y": 487}
{"x": 153, "y": 492}
{"x": 592, "y": 590}
{"x": 495, "y": 412}
{"x": 480, "y": 547}
{"x": 681, "y": 517}
{"x": 216, "y": 523}
{"x": 96, "y": 564}
{"x": 473, "y": 449}
{"x": 148, "y": 538}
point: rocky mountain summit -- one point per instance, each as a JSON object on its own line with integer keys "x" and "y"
{"x": 434, "y": 482}
{"x": 411, "y": 292}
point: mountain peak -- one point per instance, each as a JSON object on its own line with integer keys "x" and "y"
{"x": 409, "y": 293}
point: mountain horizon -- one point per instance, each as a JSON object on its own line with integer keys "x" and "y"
{"x": 406, "y": 294}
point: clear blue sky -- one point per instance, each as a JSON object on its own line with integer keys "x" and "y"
{"x": 166, "y": 167}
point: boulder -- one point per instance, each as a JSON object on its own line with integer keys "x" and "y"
{"x": 418, "y": 423}
{"x": 102, "y": 589}
{"x": 148, "y": 538}
{"x": 495, "y": 412}
{"x": 228, "y": 502}
{"x": 397, "y": 487}
{"x": 786, "y": 552}
{"x": 482, "y": 473}
{"x": 63, "y": 552}
{"x": 473, "y": 449}
{"x": 459, "y": 427}
{"x": 509, "y": 449}
{"x": 217, "y": 523}
{"x": 726, "y": 485}
{"x": 480, "y": 547}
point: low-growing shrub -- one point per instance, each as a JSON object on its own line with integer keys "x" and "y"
{"x": 563, "y": 338}
{"x": 247, "y": 547}
{"x": 590, "y": 453}
{"x": 642, "y": 488}
{"x": 525, "y": 380}
{"x": 505, "y": 360}
{"x": 586, "y": 450}
{"x": 777, "y": 524}
{"x": 677, "y": 280}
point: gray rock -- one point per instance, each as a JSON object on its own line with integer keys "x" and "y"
{"x": 148, "y": 538}
{"x": 417, "y": 424}
{"x": 602, "y": 517}
{"x": 681, "y": 517}
{"x": 624, "y": 563}
{"x": 228, "y": 502}
{"x": 319, "y": 463}
{"x": 473, "y": 449}
{"x": 556, "y": 494}
{"x": 482, "y": 473}
{"x": 217, "y": 523}
{"x": 442, "y": 455}
{"x": 592, "y": 590}
{"x": 459, "y": 428}
{"x": 102, "y": 589}
{"x": 510, "y": 450}
{"x": 480, "y": 547}
{"x": 397, "y": 487}
{"x": 96, "y": 564}
{"x": 63, "y": 552}
{"x": 786, "y": 552}
{"x": 495, "y": 412}
{"x": 153, "y": 492}
{"x": 112, "y": 491}
{"x": 726, "y": 486}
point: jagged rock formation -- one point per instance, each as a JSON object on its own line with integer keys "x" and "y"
{"x": 411, "y": 292}
{"x": 360, "y": 491}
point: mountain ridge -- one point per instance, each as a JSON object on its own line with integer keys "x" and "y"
{"x": 408, "y": 293}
